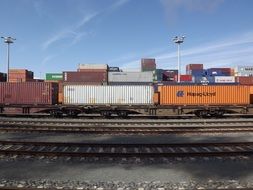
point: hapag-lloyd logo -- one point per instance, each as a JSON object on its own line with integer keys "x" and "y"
{"x": 181, "y": 93}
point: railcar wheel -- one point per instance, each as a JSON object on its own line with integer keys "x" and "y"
{"x": 122, "y": 114}
{"x": 72, "y": 113}
{"x": 106, "y": 114}
{"x": 56, "y": 113}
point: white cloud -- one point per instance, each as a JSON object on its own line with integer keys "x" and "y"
{"x": 72, "y": 32}
{"x": 229, "y": 52}
{"x": 76, "y": 32}
{"x": 117, "y": 4}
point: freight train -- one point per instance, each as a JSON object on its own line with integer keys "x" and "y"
{"x": 73, "y": 99}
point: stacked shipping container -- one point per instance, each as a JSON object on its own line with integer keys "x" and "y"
{"x": 148, "y": 65}
{"x": 130, "y": 77}
{"x": 20, "y": 75}
{"x": 194, "y": 69}
{"x": 54, "y": 76}
{"x": 244, "y": 71}
{"x": 245, "y": 80}
{"x": 169, "y": 75}
{"x": 97, "y": 78}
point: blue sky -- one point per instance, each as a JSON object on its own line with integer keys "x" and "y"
{"x": 56, "y": 35}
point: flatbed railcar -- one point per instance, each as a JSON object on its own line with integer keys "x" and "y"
{"x": 203, "y": 101}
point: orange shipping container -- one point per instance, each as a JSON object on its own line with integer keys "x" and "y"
{"x": 204, "y": 95}
{"x": 251, "y": 89}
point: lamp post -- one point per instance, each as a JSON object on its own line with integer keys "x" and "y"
{"x": 178, "y": 40}
{"x": 9, "y": 40}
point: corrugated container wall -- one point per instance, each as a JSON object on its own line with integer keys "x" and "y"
{"x": 204, "y": 95}
{"x": 130, "y": 76}
{"x": 86, "y": 77}
{"x": 32, "y": 93}
{"x": 148, "y": 65}
{"x": 54, "y": 76}
{"x": 108, "y": 95}
{"x": 93, "y": 66}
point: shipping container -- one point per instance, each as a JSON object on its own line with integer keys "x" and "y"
{"x": 251, "y": 89}
{"x": 203, "y": 80}
{"x": 114, "y": 69}
{"x": 54, "y": 76}
{"x": 129, "y": 83}
{"x": 148, "y": 65}
{"x": 184, "y": 78}
{"x": 86, "y": 77}
{"x": 3, "y": 77}
{"x": 169, "y": 75}
{"x": 93, "y": 66}
{"x": 108, "y": 95}
{"x": 245, "y": 80}
{"x": 20, "y": 75}
{"x": 191, "y": 67}
{"x": 224, "y": 79}
{"x": 158, "y": 74}
{"x": 219, "y": 72}
{"x": 204, "y": 95}
{"x": 92, "y": 70}
{"x": 244, "y": 71}
{"x": 130, "y": 77}
{"x": 196, "y": 73}
{"x": 30, "y": 93}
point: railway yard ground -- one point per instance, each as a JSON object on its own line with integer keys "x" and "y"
{"x": 46, "y": 153}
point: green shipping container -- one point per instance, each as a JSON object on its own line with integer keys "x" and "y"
{"x": 54, "y": 76}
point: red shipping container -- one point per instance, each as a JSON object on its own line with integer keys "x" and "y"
{"x": 148, "y": 64}
{"x": 244, "y": 80}
{"x": 29, "y": 93}
{"x": 190, "y": 67}
{"x": 92, "y": 70}
{"x": 20, "y": 75}
{"x": 89, "y": 77}
{"x": 184, "y": 78}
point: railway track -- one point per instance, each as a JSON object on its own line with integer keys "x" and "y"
{"x": 128, "y": 127}
{"x": 69, "y": 122}
{"x": 52, "y": 149}
{"x": 126, "y": 130}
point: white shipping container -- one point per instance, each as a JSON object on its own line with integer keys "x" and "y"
{"x": 93, "y": 66}
{"x": 244, "y": 71}
{"x": 130, "y": 76}
{"x": 224, "y": 79}
{"x": 104, "y": 95}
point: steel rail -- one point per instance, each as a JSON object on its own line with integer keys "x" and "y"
{"x": 125, "y": 129}
{"x": 122, "y": 122}
{"x": 127, "y": 150}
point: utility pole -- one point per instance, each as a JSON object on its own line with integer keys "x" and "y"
{"x": 8, "y": 40}
{"x": 178, "y": 40}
